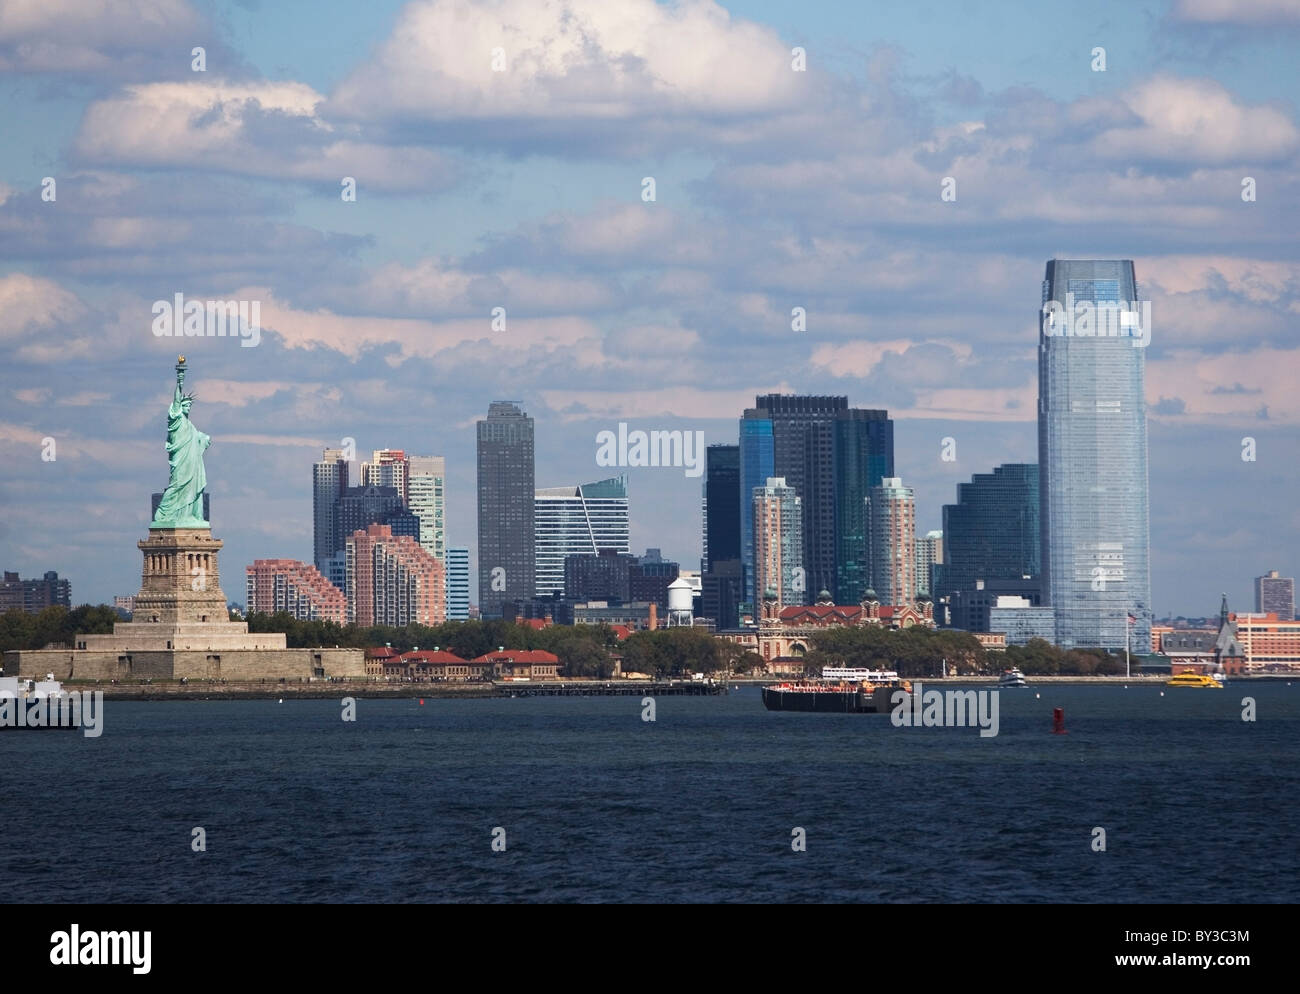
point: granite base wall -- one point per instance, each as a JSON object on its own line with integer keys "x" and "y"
{"x": 229, "y": 664}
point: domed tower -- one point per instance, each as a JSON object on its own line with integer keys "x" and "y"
{"x": 824, "y": 599}
{"x": 871, "y": 604}
{"x": 771, "y": 605}
{"x": 925, "y": 606}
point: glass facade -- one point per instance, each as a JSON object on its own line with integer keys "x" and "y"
{"x": 572, "y": 521}
{"x": 1092, "y": 450}
{"x": 862, "y": 456}
{"x": 756, "y": 460}
{"x": 721, "y": 505}
{"x": 426, "y": 497}
{"x": 505, "y": 508}
{"x": 457, "y": 584}
{"x": 992, "y": 532}
{"x": 802, "y": 431}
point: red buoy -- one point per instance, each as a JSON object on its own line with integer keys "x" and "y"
{"x": 1058, "y": 721}
{"x": 421, "y": 702}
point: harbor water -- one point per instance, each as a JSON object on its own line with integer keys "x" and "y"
{"x": 593, "y": 803}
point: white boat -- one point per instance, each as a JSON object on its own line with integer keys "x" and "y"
{"x": 25, "y": 693}
{"x": 24, "y": 689}
{"x": 1012, "y": 678}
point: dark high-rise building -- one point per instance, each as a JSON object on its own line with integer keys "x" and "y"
{"x": 1092, "y": 453}
{"x": 601, "y": 576}
{"x": 992, "y": 532}
{"x": 648, "y": 579}
{"x": 506, "y": 564}
{"x": 721, "y": 593}
{"x": 722, "y": 579}
{"x": 862, "y": 456}
{"x": 721, "y": 504}
{"x": 329, "y": 481}
{"x": 33, "y": 596}
{"x": 831, "y": 455}
{"x": 361, "y": 507}
{"x": 756, "y": 457}
{"x": 802, "y": 453}
{"x": 1275, "y": 594}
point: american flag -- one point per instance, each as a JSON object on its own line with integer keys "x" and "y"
{"x": 1132, "y": 619}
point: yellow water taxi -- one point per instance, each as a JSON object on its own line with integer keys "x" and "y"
{"x": 1193, "y": 680}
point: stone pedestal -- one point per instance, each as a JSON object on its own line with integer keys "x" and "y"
{"x": 181, "y": 581}
{"x": 181, "y": 605}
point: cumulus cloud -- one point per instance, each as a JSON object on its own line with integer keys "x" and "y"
{"x": 267, "y": 129}
{"x": 571, "y": 61}
{"x": 1198, "y": 121}
{"x": 111, "y": 38}
{"x": 31, "y": 306}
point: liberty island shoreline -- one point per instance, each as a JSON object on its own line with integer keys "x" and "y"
{"x": 242, "y": 690}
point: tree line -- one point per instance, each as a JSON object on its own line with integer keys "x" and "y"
{"x": 54, "y": 626}
{"x": 920, "y": 652}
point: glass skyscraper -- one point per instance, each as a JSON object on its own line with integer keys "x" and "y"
{"x": 802, "y": 430}
{"x": 426, "y": 478}
{"x": 574, "y": 521}
{"x": 992, "y": 532}
{"x": 721, "y": 505}
{"x": 862, "y": 456}
{"x": 457, "y": 559}
{"x": 756, "y": 462}
{"x": 505, "y": 508}
{"x": 1092, "y": 453}
{"x": 329, "y": 482}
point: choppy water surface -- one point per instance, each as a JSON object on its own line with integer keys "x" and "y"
{"x": 598, "y": 805}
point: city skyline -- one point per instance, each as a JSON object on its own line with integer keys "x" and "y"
{"x": 799, "y": 237}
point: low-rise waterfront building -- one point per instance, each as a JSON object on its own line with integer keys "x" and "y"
{"x": 784, "y": 635}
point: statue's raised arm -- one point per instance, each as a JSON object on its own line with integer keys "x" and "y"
{"x": 179, "y": 395}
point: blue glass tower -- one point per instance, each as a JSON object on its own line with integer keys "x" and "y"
{"x": 757, "y": 464}
{"x": 1092, "y": 454}
{"x": 862, "y": 455}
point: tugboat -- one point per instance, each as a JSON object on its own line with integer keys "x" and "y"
{"x": 840, "y": 690}
{"x": 1012, "y": 678}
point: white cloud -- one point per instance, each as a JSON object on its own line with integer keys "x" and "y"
{"x": 109, "y": 37}
{"x": 31, "y": 306}
{"x": 589, "y": 60}
{"x": 1197, "y": 120}
{"x": 269, "y": 129}
{"x": 1249, "y": 12}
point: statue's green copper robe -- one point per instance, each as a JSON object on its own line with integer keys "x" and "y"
{"x": 182, "y": 501}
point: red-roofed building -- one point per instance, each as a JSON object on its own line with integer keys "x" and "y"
{"x": 438, "y": 665}
{"x": 536, "y": 624}
{"x": 784, "y": 635}
{"x": 522, "y": 664}
{"x": 378, "y": 658}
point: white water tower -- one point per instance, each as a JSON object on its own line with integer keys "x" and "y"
{"x": 681, "y": 598}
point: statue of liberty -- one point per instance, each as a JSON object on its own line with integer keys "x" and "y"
{"x": 182, "y": 501}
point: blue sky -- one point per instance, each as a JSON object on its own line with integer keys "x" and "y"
{"x": 522, "y": 189}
